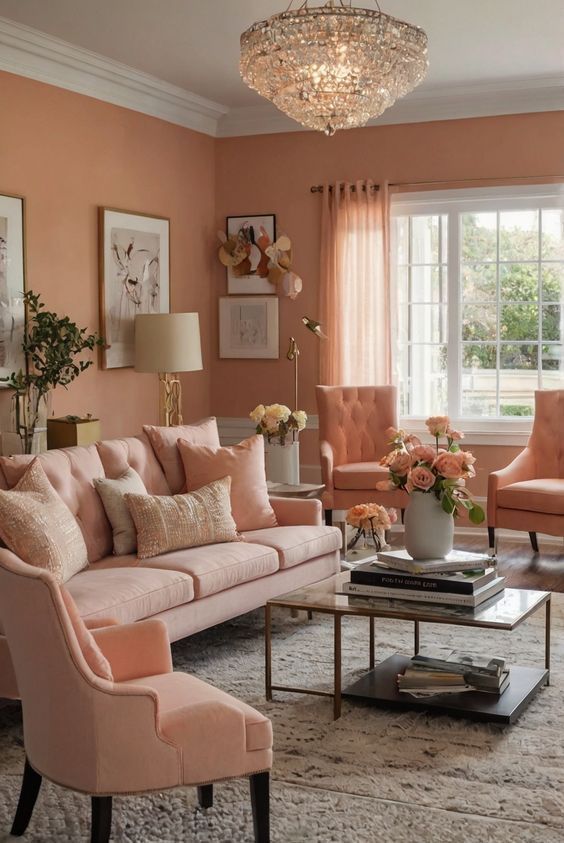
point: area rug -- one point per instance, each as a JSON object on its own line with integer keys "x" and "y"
{"x": 374, "y": 775}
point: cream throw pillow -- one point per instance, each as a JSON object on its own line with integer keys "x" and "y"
{"x": 171, "y": 523}
{"x": 111, "y": 493}
{"x": 39, "y": 527}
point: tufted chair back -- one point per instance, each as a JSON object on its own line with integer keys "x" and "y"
{"x": 546, "y": 440}
{"x": 353, "y": 419}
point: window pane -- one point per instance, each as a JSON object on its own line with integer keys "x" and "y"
{"x": 402, "y": 283}
{"x": 479, "y": 237}
{"x": 428, "y": 323}
{"x": 552, "y": 323}
{"x": 518, "y": 379}
{"x": 425, "y": 239}
{"x": 552, "y": 276}
{"x": 428, "y": 284}
{"x": 519, "y": 235}
{"x": 479, "y": 380}
{"x": 519, "y": 322}
{"x": 519, "y": 282}
{"x": 479, "y": 322}
{"x": 425, "y": 379}
{"x": 552, "y": 235}
{"x": 479, "y": 282}
{"x": 552, "y": 366}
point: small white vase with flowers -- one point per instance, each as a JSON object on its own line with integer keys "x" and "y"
{"x": 280, "y": 427}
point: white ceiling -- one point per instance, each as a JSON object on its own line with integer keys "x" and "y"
{"x": 483, "y": 45}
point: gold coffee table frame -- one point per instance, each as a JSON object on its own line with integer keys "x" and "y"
{"x": 505, "y": 611}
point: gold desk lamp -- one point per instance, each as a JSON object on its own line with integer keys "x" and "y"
{"x": 293, "y": 352}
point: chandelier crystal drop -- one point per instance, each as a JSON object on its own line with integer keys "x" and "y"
{"x": 333, "y": 66}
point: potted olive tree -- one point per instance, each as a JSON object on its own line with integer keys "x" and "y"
{"x": 52, "y": 347}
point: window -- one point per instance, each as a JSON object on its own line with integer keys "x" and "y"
{"x": 479, "y": 283}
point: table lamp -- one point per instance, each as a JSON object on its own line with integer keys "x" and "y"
{"x": 168, "y": 343}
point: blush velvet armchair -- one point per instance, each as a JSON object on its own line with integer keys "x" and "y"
{"x": 144, "y": 728}
{"x": 529, "y": 493}
{"x": 352, "y": 438}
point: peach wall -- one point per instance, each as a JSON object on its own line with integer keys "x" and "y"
{"x": 67, "y": 154}
{"x": 274, "y": 173}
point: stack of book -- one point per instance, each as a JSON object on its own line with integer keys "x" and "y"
{"x": 431, "y": 673}
{"x": 460, "y": 579}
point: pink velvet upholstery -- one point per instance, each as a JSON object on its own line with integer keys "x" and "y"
{"x": 164, "y": 439}
{"x": 294, "y": 511}
{"x": 529, "y": 493}
{"x": 352, "y": 425}
{"x": 117, "y": 455}
{"x": 299, "y": 544}
{"x": 146, "y": 732}
{"x": 97, "y": 662}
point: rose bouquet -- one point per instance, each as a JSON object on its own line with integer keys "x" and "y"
{"x": 442, "y": 471}
{"x": 371, "y": 522}
{"x": 276, "y": 421}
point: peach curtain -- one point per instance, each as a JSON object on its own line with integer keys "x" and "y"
{"x": 355, "y": 288}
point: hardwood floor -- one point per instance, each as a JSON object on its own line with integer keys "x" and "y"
{"x": 519, "y": 563}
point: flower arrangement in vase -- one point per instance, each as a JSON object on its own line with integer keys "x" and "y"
{"x": 371, "y": 521}
{"x": 278, "y": 423}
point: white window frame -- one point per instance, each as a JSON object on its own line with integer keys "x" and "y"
{"x": 490, "y": 431}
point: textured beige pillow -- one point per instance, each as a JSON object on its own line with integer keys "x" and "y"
{"x": 177, "y": 521}
{"x": 112, "y": 492}
{"x": 39, "y": 527}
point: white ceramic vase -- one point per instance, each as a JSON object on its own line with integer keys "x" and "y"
{"x": 282, "y": 462}
{"x": 429, "y": 530}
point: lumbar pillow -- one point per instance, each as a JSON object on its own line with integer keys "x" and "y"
{"x": 164, "y": 439}
{"x": 111, "y": 493}
{"x": 96, "y": 660}
{"x": 167, "y": 523}
{"x": 244, "y": 463}
{"x": 39, "y": 527}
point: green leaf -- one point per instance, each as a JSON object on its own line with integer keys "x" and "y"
{"x": 476, "y": 514}
{"x": 448, "y": 504}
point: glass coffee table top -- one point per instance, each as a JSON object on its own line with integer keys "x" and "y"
{"x": 505, "y": 610}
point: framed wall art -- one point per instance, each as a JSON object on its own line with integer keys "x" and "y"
{"x": 248, "y": 327}
{"x": 12, "y": 284}
{"x": 253, "y": 235}
{"x": 134, "y": 278}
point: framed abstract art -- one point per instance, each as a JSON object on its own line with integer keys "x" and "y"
{"x": 253, "y": 234}
{"x": 12, "y": 284}
{"x": 248, "y": 327}
{"x": 134, "y": 278}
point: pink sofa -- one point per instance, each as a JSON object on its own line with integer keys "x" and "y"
{"x": 190, "y": 589}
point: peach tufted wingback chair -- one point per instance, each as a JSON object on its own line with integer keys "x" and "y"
{"x": 529, "y": 493}
{"x": 352, "y": 438}
{"x": 144, "y": 728}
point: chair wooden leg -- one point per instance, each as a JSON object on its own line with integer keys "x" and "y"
{"x": 260, "y": 801}
{"x": 491, "y": 536}
{"x": 402, "y": 516}
{"x": 101, "y": 819}
{"x": 205, "y": 796}
{"x": 28, "y": 796}
{"x": 329, "y": 517}
{"x": 534, "y": 542}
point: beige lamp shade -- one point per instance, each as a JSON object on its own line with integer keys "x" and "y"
{"x": 167, "y": 342}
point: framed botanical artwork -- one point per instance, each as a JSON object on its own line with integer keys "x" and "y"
{"x": 251, "y": 236}
{"x": 134, "y": 278}
{"x": 12, "y": 285}
{"x": 248, "y": 327}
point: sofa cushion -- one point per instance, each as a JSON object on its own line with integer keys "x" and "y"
{"x": 164, "y": 439}
{"x": 244, "y": 463}
{"x": 71, "y": 472}
{"x": 95, "y": 659}
{"x": 298, "y": 544}
{"x": 117, "y": 455}
{"x": 216, "y": 567}
{"x": 534, "y": 496}
{"x": 358, "y": 475}
{"x": 112, "y": 492}
{"x": 129, "y": 594}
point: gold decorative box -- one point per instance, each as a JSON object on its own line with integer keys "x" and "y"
{"x": 72, "y": 430}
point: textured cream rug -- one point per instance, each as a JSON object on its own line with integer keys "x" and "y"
{"x": 373, "y": 776}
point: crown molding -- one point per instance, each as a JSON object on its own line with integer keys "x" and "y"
{"x": 28, "y": 52}
{"x": 451, "y": 102}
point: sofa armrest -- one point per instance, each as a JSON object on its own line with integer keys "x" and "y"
{"x": 523, "y": 467}
{"x": 292, "y": 512}
{"x": 135, "y": 650}
{"x": 327, "y": 461}
{"x": 99, "y": 623}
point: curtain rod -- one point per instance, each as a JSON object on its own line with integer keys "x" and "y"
{"x": 319, "y": 188}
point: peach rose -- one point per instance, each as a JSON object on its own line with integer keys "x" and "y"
{"x": 385, "y": 486}
{"x": 423, "y": 453}
{"x": 413, "y": 440}
{"x": 393, "y": 516}
{"x": 455, "y": 435}
{"x": 449, "y": 465}
{"x": 422, "y": 478}
{"x": 438, "y": 425}
{"x": 401, "y": 463}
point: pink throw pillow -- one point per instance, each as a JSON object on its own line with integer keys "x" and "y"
{"x": 244, "y": 463}
{"x": 96, "y": 660}
{"x": 164, "y": 439}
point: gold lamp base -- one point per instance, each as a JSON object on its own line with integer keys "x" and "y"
{"x": 170, "y": 399}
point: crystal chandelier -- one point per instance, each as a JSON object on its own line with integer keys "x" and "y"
{"x": 333, "y": 66}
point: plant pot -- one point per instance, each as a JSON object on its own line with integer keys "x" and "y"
{"x": 429, "y": 530}
{"x": 282, "y": 462}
